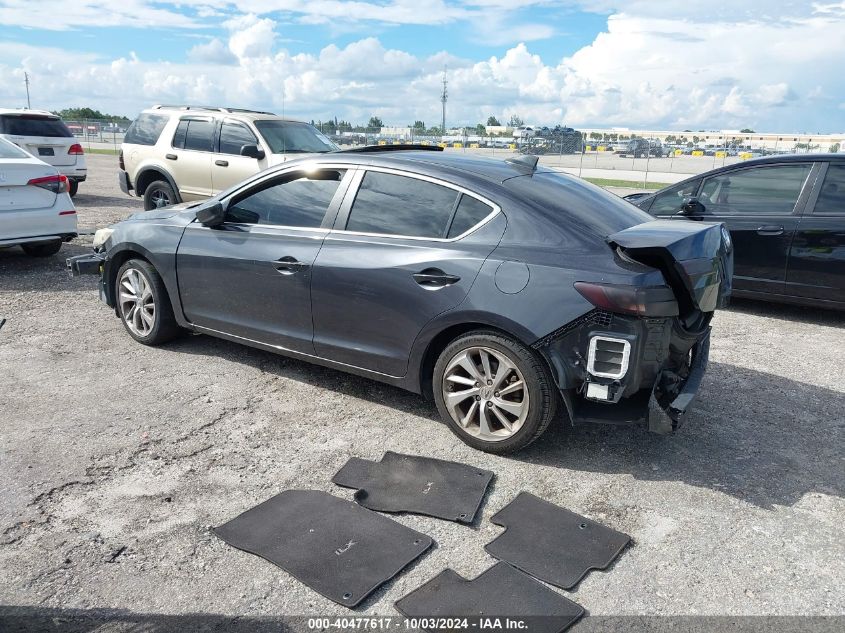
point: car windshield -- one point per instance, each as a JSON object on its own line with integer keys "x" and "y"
{"x": 10, "y": 150}
{"x": 33, "y": 125}
{"x": 289, "y": 137}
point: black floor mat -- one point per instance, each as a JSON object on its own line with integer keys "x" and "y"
{"x": 334, "y": 546}
{"x": 501, "y": 591}
{"x": 552, "y": 543}
{"x": 408, "y": 483}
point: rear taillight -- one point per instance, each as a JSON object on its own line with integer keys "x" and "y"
{"x": 651, "y": 301}
{"x": 75, "y": 149}
{"x": 120, "y": 161}
{"x": 57, "y": 184}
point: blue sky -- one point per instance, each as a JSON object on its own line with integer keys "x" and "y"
{"x": 703, "y": 64}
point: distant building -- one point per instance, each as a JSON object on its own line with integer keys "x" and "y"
{"x": 396, "y": 132}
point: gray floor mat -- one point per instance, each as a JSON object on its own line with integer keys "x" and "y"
{"x": 334, "y": 546}
{"x": 421, "y": 485}
{"x": 501, "y": 591}
{"x": 552, "y": 543}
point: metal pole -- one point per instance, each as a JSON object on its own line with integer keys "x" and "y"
{"x": 26, "y": 82}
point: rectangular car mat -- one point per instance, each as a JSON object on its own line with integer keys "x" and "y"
{"x": 501, "y": 591}
{"x": 552, "y": 543}
{"x": 421, "y": 485}
{"x": 334, "y": 546}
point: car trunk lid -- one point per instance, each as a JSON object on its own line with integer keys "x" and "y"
{"x": 16, "y": 194}
{"x": 695, "y": 258}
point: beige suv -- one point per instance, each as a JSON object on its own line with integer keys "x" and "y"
{"x": 173, "y": 154}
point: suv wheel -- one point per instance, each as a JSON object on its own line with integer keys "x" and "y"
{"x": 143, "y": 304}
{"x": 42, "y": 250}
{"x": 73, "y": 187}
{"x": 494, "y": 393}
{"x": 158, "y": 194}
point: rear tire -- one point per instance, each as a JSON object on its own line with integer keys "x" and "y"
{"x": 143, "y": 304}
{"x": 47, "y": 249}
{"x": 498, "y": 404}
{"x": 158, "y": 194}
{"x": 73, "y": 187}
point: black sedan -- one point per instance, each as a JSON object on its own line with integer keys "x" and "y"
{"x": 786, "y": 216}
{"x": 505, "y": 291}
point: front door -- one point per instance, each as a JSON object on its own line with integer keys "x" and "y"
{"x": 407, "y": 250}
{"x": 760, "y": 207}
{"x": 228, "y": 167}
{"x": 251, "y": 276}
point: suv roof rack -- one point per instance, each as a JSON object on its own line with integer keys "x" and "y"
{"x": 392, "y": 148}
{"x": 208, "y": 108}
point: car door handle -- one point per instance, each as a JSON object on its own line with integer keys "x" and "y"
{"x": 770, "y": 229}
{"x": 289, "y": 265}
{"x": 221, "y": 163}
{"x": 171, "y": 156}
{"x": 434, "y": 279}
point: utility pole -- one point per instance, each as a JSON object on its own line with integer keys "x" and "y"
{"x": 443, "y": 98}
{"x": 26, "y": 81}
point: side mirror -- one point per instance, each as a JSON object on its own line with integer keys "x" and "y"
{"x": 211, "y": 214}
{"x": 692, "y": 207}
{"x": 252, "y": 151}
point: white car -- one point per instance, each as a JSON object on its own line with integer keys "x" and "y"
{"x": 36, "y": 212}
{"x": 45, "y": 136}
{"x": 523, "y": 131}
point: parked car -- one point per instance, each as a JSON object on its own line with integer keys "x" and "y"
{"x": 45, "y": 135}
{"x": 786, "y": 216}
{"x": 172, "y": 154}
{"x": 36, "y": 212}
{"x": 506, "y": 291}
{"x": 523, "y": 132}
{"x": 641, "y": 148}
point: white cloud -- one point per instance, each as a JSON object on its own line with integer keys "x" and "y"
{"x": 214, "y": 51}
{"x": 252, "y": 37}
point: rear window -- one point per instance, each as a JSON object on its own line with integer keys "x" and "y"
{"x": 584, "y": 204}
{"x": 33, "y": 125}
{"x": 10, "y": 150}
{"x": 145, "y": 130}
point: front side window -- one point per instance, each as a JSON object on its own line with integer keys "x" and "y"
{"x": 292, "y": 137}
{"x": 398, "y": 205}
{"x": 299, "y": 200}
{"x": 233, "y": 136}
{"x": 669, "y": 202}
{"x": 146, "y": 129}
{"x": 832, "y": 196}
{"x": 758, "y": 191}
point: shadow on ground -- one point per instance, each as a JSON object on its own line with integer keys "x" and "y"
{"x": 788, "y": 312}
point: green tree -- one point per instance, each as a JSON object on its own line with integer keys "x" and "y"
{"x": 418, "y": 127}
{"x": 375, "y": 122}
{"x": 515, "y": 121}
{"x": 746, "y": 130}
{"x": 75, "y": 114}
{"x": 491, "y": 120}
{"x": 833, "y": 149}
{"x": 480, "y": 129}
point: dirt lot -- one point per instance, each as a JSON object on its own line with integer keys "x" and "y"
{"x": 115, "y": 459}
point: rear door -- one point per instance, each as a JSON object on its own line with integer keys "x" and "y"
{"x": 251, "y": 276}
{"x": 228, "y": 167}
{"x": 761, "y": 207}
{"x": 404, "y": 249}
{"x": 817, "y": 257}
{"x": 189, "y": 158}
{"x": 45, "y": 137}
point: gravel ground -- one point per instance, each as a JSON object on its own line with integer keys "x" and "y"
{"x": 115, "y": 460}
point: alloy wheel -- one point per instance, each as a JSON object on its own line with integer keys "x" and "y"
{"x": 485, "y": 393}
{"x": 137, "y": 305}
{"x": 160, "y": 199}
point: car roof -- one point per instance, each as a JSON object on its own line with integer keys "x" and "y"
{"x": 24, "y": 111}
{"x": 252, "y": 115}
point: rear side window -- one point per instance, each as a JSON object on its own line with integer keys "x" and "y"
{"x": 145, "y": 130}
{"x": 470, "y": 212}
{"x": 300, "y": 200}
{"x": 33, "y": 125}
{"x": 669, "y": 202}
{"x": 760, "y": 191}
{"x": 200, "y": 135}
{"x": 233, "y": 136}
{"x": 397, "y": 205}
{"x": 832, "y": 196}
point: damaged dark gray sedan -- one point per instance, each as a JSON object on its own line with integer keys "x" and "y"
{"x": 508, "y": 292}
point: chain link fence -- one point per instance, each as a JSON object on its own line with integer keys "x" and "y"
{"x": 623, "y": 159}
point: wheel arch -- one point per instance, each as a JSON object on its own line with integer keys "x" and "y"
{"x": 148, "y": 175}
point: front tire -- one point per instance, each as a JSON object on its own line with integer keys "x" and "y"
{"x": 143, "y": 304}
{"x": 158, "y": 194}
{"x": 47, "y": 249}
{"x": 496, "y": 394}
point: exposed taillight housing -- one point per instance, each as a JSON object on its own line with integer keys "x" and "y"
{"x": 75, "y": 150}
{"x": 57, "y": 184}
{"x": 648, "y": 301}
{"x": 120, "y": 162}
